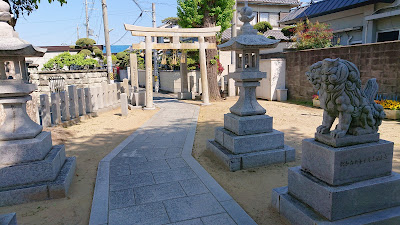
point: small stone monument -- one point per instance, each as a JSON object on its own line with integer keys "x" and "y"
{"x": 346, "y": 174}
{"x": 31, "y": 169}
{"x": 247, "y": 139}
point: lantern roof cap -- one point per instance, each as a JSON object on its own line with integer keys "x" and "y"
{"x": 248, "y": 37}
{"x": 10, "y": 43}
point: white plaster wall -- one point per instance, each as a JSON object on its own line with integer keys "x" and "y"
{"x": 276, "y": 72}
{"x": 170, "y": 81}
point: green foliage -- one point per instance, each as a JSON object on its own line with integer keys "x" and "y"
{"x": 66, "y": 59}
{"x": 123, "y": 59}
{"x": 196, "y": 13}
{"x": 170, "y": 20}
{"x": 313, "y": 35}
{"x": 263, "y": 26}
{"x": 85, "y": 52}
{"x": 85, "y": 42}
{"x": 289, "y": 31}
{"x": 19, "y": 7}
{"x": 58, "y": 62}
{"x": 272, "y": 37}
{"x": 98, "y": 53}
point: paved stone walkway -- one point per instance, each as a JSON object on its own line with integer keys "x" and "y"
{"x": 151, "y": 178}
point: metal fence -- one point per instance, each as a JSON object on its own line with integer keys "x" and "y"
{"x": 57, "y": 83}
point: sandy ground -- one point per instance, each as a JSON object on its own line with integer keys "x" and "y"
{"x": 89, "y": 141}
{"x": 252, "y": 188}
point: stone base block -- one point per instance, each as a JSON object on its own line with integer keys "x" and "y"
{"x": 138, "y": 98}
{"x": 41, "y": 191}
{"x": 246, "y": 125}
{"x": 281, "y": 95}
{"x": 297, "y": 213}
{"x": 26, "y": 150}
{"x": 8, "y": 219}
{"x": 251, "y": 160}
{"x": 335, "y": 203}
{"x": 337, "y": 166}
{"x": 34, "y": 172}
{"x": 249, "y": 143}
{"x": 185, "y": 95}
{"x": 347, "y": 140}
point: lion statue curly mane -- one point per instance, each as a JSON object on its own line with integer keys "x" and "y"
{"x": 340, "y": 93}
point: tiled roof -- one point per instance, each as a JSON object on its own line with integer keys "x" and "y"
{"x": 226, "y": 35}
{"x": 327, "y": 7}
{"x": 286, "y": 2}
{"x": 293, "y": 14}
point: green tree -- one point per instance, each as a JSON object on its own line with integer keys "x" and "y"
{"x": 85, "y": 42}
{"x": 313, "y": 35}
{"x": 25, "y": 7}
{"x": 207, "y": 13}
{"x": 170, "y": 20}
{"x": 98, "y": 53}
{"x": 85, "y": 52}
{"x": 263, "y": 26}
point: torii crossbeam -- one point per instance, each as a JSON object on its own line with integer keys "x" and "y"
{"x": 175, "y": 34}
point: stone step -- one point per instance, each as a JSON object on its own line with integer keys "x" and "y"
{"x": 26, "y": 150}
{"x": 249, "y": 143}
{"x": 335, "y": 203}
{"x": 297, "y": 213}
{"x": 33, "y": 172}
{"x": 236, "y": 162}
{"x": 246, "y": 125}
{"x": 41, "y": 191}
{"x": 337, "y": 166}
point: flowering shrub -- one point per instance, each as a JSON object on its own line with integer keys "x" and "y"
{"x": 313, "y": 35}
{"x": 315, "y": 97}
{"x": 289, "y": 31}
{"x": 220, "y": 67}
{"x": 389, "y": 104}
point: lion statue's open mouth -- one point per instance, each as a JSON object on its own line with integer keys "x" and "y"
{"x": 340, "y": 93}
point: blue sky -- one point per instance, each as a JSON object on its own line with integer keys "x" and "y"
{"x": 52, "y": 24}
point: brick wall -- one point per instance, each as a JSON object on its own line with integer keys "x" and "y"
{"x": 378, "y": 60}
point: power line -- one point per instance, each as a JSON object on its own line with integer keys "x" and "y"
{"x": 127, "y": 31}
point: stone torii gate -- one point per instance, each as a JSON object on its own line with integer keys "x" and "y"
{"x": 176, "y": 34}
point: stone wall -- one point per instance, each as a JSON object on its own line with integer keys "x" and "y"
{"x": 378, "y": 60}
{"x": 79, "y": 78}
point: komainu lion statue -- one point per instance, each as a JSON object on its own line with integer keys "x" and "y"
{"x": 339, "y": 85}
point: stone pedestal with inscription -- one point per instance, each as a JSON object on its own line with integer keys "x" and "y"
{"x": 341, "y": 185}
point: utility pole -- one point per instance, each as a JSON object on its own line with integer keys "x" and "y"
{"x": 87, "y": 19}
{"x": 234, "y": 32}
{"x": 156, "y": 77}
{"x": 107, "y": 40}
{"x": 77, "y": 31}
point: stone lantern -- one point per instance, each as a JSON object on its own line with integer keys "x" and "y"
{"x": 247, "y": 139}
{"x": 31, "y": 168}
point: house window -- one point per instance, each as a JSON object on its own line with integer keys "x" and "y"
{"x": 264, "y": 17}
{"x": 388, "y": 36}
{"x": 274, "y": 19}
{"x": 255, "y": 20}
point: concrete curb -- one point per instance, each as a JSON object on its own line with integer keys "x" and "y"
{"x": 230, "y": 205}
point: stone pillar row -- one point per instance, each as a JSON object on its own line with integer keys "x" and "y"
{"x": 77, "y": 102}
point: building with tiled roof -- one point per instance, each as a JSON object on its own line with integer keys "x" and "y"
{"x": 353, "y": 22}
